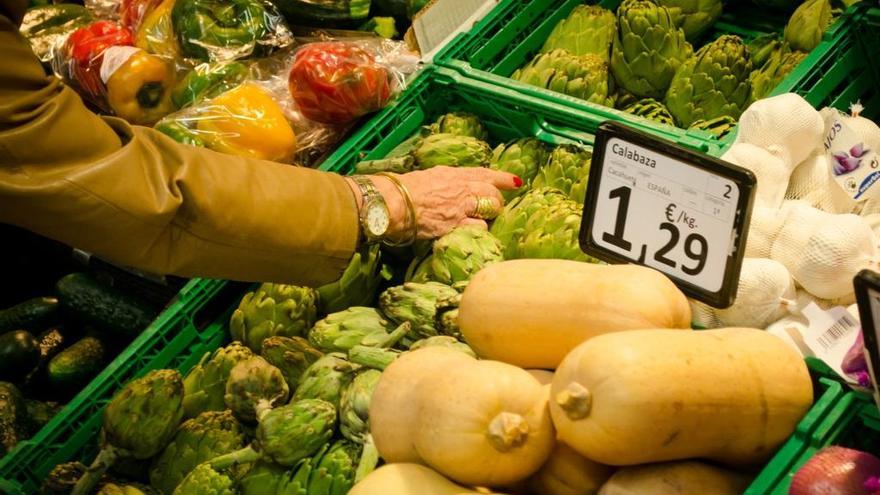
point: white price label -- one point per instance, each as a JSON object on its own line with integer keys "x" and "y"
{"x": 662, "y": 207}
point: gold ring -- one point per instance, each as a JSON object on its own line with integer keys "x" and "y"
{"x": 485, "y": 208}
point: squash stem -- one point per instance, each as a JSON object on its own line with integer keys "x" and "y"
{"x": 575, "y": 400}
{"x": 508, "y": 430}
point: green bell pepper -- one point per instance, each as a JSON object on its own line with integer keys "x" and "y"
{"x": 206, "y": 81}
{"x": 179, "y": 132}
{"x": 206, "y": 26}
{"x": 44, "y": 25}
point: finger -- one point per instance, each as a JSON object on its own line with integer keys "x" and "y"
{"x": 502, "y": 180}
{"x": 475, "y": 222}
{"x": 484, "y": 190}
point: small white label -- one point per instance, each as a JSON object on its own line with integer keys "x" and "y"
{"x": 854, "y": 166}
{"x": 830, "y": 335}
{"x": 113, "y": 59}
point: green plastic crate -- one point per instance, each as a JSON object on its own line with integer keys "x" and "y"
{"x": 515, "y": 30}
{"x": 839, "y": 417}
{"x": 507, "y": 113}
{"x": 176, "y": 339}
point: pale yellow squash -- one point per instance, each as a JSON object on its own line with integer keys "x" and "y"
{"x": 543, "y": 376}
{"x": 531, "y": 313}
{"x": 407, "y": 479}
{"x": 732, "y": 395}
{"x": 676, "y": 478}
{"x": 394, "y": 407}
{"x": 568, "y": 473}
{"x": 484, "y": 423}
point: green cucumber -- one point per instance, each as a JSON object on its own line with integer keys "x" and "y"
{"x": 322, "y": 11}
{"x": 34, "y": 314}
{"x": 75, "y": 366}
{"x": 105, "y": 307}
{"x": 19, "y": 354}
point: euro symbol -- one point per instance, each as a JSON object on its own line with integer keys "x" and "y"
{"x": 669, "y": 210}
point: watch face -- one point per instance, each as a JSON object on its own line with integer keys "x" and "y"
{"x": 376, "y": 219}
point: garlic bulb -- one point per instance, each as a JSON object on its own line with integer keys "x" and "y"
{"x": 764, "y": 228}
{"x": 813, "y": 183}
{"x": 786, "y": 125}
{"x": 772, "y": 173}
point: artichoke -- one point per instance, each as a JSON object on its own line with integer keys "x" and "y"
{"x": 807, "y": 25}
{"x": 651, "y": 109}
{"x": 358, "y": 284}
{"x": 211, "y": 434}
{"x": 522, "y": 157}
{"x": 763, "y": 47}
{"x": 286, "y": 435}
{"x": 452, "y": 151}
{"x": 254, "y": 386}
{"x": 581, "y": 76}
{"x": 719, "y": 126}
{"x": 333, "y": 473}
{"x": 138, "y": 422}
{"x": 291, "y": 355}
{"x": 273, "y": 309}
{"x": 357, "y": 325}
{"x": 648, "y": 48}
{"x": 460, "y": 254}
{"x": 326, "y": 379}
{"x": 767, "y": 78}
{"x": 694, "y": 17}
{"x": 461, "y": 124}
{"x": 355, "y": 405}
{"x": 203, "y": 480}
{"x": 543, "y": 223}
{"x": 372, "y": 357}
{"x": 588, "y": 30}
{"x": 63, "y": 477}
{"x": 395, "y": 165}
{"x": 446, "y": 317}
{"x": 713, "y": 83}
{"x": 205, "y": 384}
{"x": 114, "y": 489}
{"x": 264, "y": 478}
{"x": 444, "y": 341}
{"x": 415, "y": 303}
{"x": 567, "y": 170}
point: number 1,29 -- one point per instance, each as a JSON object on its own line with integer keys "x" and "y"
{"x": 696, "y": 248}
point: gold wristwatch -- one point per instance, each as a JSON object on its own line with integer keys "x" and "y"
{"x": 374, "y": 216}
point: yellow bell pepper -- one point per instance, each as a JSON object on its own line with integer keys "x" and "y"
{"x": 139, "y": 90}
{"x": 156, "y": 33}
{"x": 246, "y": 121}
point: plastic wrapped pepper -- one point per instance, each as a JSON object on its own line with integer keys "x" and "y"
{"x": 83, "y": 54}
{"x": 206, "y": 81}
{"x": 139, "y": 90}
{"x": 133, "y": 12}
{"x": 44, "y": 26}
{"x": 155, "y": 33}
{"x": 179, "y": 132}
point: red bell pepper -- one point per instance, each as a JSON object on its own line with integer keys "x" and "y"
{"x": 132, "y": 12}
{"x": 85, "y": 52}
{"x": 335, "y": 82}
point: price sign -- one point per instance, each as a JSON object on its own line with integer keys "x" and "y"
{"x": 660, "y": 205}
{"x": 867, "y": 286}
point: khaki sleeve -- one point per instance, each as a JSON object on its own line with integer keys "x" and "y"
{"x": 137, "y": 198}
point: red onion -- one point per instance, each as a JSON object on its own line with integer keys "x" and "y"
{"x": 838, "y": 471}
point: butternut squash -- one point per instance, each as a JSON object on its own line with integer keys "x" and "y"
{"x": 484, "y": 423}
{"x": 531, "y": 313}
{"x": 407, "y": 479}
{"x": 568, "y": 473}
{"x": 543, "y": 376}
{"x": 676, "y": 478}
{"x": 732, "y": 395}
{"x": 394, "y": 408}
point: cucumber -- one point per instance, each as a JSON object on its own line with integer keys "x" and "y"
{"x": 106, "y": 308}
{"x": 75, "y": 366}
{"x": 34, "y": 314}
{"x": 39, "y": 413}
{"x": 19, "y": 354}
{"x": 13, "y": 417}
{"x": 323, "y": 11}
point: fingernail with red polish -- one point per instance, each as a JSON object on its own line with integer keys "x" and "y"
{"x": 517, "y": 182}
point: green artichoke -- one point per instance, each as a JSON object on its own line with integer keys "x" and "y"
{"x": 651, "y": 109}
{"x": 205, "y": 384}
{"x": 444, "y": 341}
{"x": 137, "y": 423}
{"x": 719, "y": 126}
{"x": 543, "y": 223}
{"x": 694, "y": 17}
{"x": 333, "y": 473}
{"x": 452, "y": 151}
{"x": 763, "y": 47}
{"x": 254, "y": 386}
{"x": 648, "y": 48}
{"x": 372, "y": 357}
{"x": 211, "y": 434}
{"x": 446, "y": 317}
{"x": 273, "y": 309}
{"x": 203, "y": 480}
{"x": 581, "y": 76}
{"x": 415, "y": 303}
{"x": 264, "y": 478}
{"x": 461, "y": 124}
{"x": 358, "y": 284}
{"x": 588, "y": 30}
{"x": 713, "y": 83}
{"x": 114, "y": 489}
{"x": 568, "y": 170}
{"x": 63, "y": 477}
{"x": 354, "y": 406}
{"x": 326, "y": 379}
{"x": 460, "y": 254}
{"x": 286, "y": 435}
{"x": 778, "y": 67}
{"x": 522, "y": 157}
{"x": 291, "y": 355}
{"x": 357, "y": 325}
{"x": 807, "y": 25}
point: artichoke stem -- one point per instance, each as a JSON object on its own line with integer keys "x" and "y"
{"x": 89, "y": 480}
{"x": 575, "y": 400}
{"x": 508, "y": 430}
{"x": 398, "y": 333}
{"x": 243, "y": 456}
{"x": 368, "y": 461}
{"x": 372, "y": 357}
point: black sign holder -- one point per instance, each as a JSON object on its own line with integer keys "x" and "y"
{"x": 865, "y": 283}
